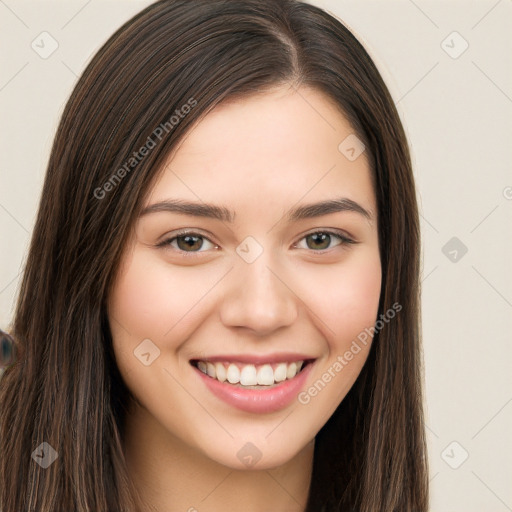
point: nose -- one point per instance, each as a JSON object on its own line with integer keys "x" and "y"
{"x": 258, "y": 299}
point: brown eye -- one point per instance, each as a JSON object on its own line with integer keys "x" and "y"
{"x": 323, "y": 240}
{"x": 318, "y": 241}
{"x": 189, "y": 242}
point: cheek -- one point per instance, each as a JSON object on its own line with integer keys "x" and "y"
{"x": 149, "y": 301}
{"x": 347, "y": 308}
{"x": 138, "y": 299}
{"x": 148, "y": 298}
{"x": 358, "y": 297}
{"x": 346, "y": 300}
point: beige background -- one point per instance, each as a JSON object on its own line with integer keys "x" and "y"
{"x": 457, "y": 112}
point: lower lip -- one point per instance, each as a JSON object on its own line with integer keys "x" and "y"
{"x": 255, "y": 400}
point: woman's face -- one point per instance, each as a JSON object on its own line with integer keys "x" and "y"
{"x": 280, "y": 266}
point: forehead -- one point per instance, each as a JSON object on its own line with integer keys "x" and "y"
{"x": 271, "y": 148}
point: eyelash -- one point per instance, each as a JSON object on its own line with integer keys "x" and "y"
{"x": 344, "y": 240}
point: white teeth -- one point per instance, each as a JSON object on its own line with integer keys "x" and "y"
{"x": 291, "y": 371}
{"x": 233, "y": 374}
{"x": 265, "y": 375}
{"x": 210, "y": 369}
{"x": 250, "y": 374}
{"x": 221, "y": 372}
{"x": 280, "y": 372}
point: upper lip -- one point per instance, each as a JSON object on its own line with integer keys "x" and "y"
{"x": 256, "y": 358}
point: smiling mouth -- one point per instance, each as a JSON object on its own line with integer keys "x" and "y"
{"x": 251, "y": 376}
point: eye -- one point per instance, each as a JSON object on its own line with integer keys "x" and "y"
{"x": 188, "y": 242}
{"x": 321, "y": 240}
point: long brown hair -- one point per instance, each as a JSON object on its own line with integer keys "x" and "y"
{"x": 64, "y": 387}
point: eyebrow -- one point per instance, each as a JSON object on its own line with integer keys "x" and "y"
{"x": 222, "y": 213}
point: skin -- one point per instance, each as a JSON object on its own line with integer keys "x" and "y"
{"x": 259, "y": 157}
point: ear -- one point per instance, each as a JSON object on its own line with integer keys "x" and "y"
{"x": 6, "y": 350}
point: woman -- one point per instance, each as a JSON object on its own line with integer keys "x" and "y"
{"x": 220, "y": 306}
